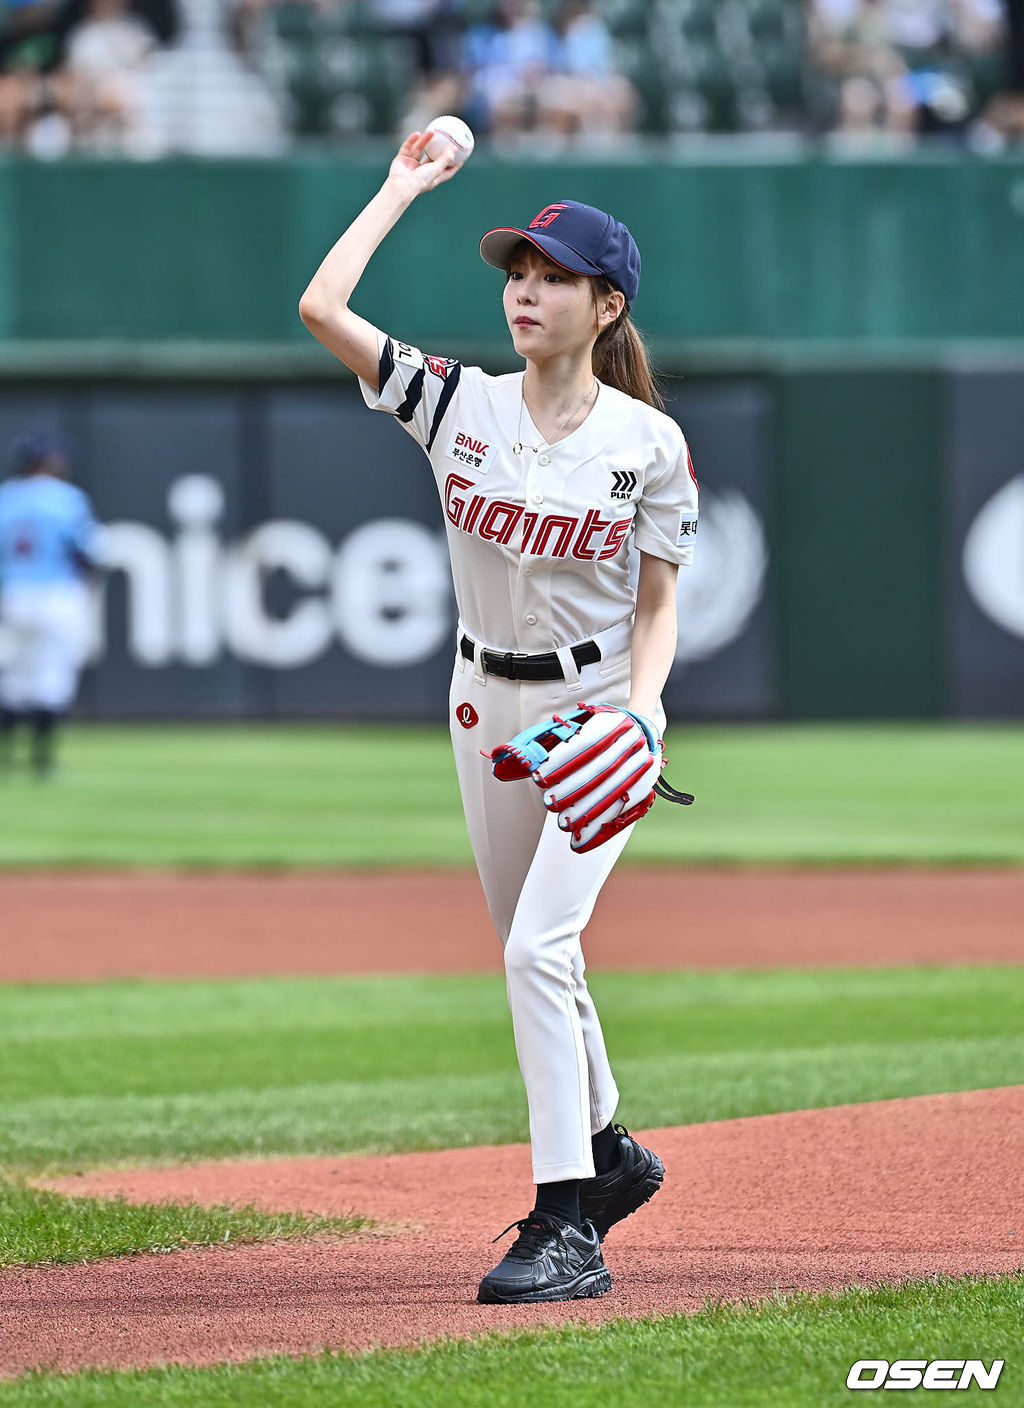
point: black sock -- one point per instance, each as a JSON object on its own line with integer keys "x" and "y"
{"x": 606, "y": 1149}
{"x": 44, "y": 723}
{"x": 9, "y": 720}
{"x": 561, "y": 1200}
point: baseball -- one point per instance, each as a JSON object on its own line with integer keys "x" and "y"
{"x": 449, "y": 132}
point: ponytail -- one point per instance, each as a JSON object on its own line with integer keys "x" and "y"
{"x": 621, "y": 358}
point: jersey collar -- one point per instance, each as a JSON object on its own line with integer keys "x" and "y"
{"x": 607, "y": 417}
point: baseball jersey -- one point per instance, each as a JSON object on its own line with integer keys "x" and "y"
{"x": 44, "y": 522}
{"x": 540, "y": 542}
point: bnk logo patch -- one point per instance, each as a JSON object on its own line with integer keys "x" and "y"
{"x": 468, "y": 449}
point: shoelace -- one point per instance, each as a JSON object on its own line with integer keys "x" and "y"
{"x": 534, "y": 1232}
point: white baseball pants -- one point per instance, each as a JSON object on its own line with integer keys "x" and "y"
{"x": 46, "y": 630}
{"x": 541, "y": 895}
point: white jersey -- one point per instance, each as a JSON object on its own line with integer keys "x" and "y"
{"x": 540, "y": 541}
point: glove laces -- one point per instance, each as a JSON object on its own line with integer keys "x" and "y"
{"x": 672, "y": 794}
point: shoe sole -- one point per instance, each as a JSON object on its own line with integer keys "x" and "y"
{"x": 592, "y": 1283}
{"x": 643, "y": 1193}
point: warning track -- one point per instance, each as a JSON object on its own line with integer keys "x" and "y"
{"x": 65, "y": 927}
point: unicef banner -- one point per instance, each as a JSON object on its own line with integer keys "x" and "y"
{"x": 279, "y": 552}
{"x": 725, "y": 657}
{"x": 985, "y": 549}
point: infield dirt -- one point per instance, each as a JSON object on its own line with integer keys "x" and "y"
{"x": 811, "y": 1200}
{"x": 66, "y": 927}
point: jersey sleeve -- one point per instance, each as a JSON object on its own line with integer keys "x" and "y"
{"x": 417, "y": 389}
{"x": 666, "y": 516}
{"x": 84, "y": 533}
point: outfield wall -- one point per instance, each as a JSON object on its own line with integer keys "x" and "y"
{"x": 852, "y": 339}
{"x": 278, "y": 550}
{"x": 927, "y": 247}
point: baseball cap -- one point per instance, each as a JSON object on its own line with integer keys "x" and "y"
{"x": 578, "y": 237}
{"x": 27, "y": 449}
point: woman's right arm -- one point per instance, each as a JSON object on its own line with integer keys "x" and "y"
{"x": 324, "y": 305}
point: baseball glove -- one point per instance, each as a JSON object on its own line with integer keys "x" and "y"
{"x": 599, "y": 768}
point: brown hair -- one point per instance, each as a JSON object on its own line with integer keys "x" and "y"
{"x": 621, "y": 358}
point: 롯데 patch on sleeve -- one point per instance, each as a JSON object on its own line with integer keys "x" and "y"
{"x": 687, "y": 528}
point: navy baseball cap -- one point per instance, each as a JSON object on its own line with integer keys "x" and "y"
{"x": 32, "y": 446}
{"x": 578, "y": 237}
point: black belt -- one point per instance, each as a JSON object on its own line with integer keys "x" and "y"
{"x": 530, "y": 667}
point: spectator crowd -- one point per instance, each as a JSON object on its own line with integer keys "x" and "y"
{"x": 147, "y": 77}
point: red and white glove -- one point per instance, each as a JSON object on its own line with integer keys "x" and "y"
{"x": 599, "y": 768}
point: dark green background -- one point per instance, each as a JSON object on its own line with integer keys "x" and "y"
{"x": 790, "y": 249}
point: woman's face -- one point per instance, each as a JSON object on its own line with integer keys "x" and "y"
{"x": 550, "y": 311}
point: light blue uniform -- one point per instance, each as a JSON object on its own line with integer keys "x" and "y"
{"x": 46, "y": 527}
{"x": 44, "y": 521}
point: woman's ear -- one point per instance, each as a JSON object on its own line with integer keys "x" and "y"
{"x": 613, "y": 306}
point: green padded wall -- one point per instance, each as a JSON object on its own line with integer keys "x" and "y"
{"x": 926, "y": 248}
{"x": 165, "y": 250}
{"x": 8, "y": 257}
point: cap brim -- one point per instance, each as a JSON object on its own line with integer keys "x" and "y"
{"x": 497, "y": 245}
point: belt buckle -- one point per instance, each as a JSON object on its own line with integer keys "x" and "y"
{"x": 499, "y": 663}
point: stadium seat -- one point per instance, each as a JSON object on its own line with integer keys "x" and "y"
{"x": 635, "y": 58}
{"x": 767, "y": 20}
{"x": 625, "y": 17}
{"x": 782, "y": 68}
{"x": 714, "y": 79}
{"x": 386, "y": 80}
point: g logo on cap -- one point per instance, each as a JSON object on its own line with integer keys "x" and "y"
{"x": 548, "y": 216}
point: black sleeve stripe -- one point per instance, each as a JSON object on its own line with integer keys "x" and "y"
{"x": 443, "y": 402}
{"x": 386, "y": 367}
{"x": 412, "y": 400}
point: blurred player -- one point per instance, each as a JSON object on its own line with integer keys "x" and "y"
{"x": 48, "y": 550}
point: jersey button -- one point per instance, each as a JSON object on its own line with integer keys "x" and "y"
{"x": 531, "y": 620}
{"x": 527, "y": 571}
{"x": 544, "y": 459}
{"x": 537, "y": 498}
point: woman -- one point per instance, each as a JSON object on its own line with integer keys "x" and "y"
{"x": 549, "y": 480}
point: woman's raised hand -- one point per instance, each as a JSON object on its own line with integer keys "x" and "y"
{"x": 413, "y": 176}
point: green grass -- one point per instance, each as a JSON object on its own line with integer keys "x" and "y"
{"x": 142, "y": 1071}
{"x": 365, "y": 796}
{"x": 38, "y": 1226}
{"x": 147, "y": 1071}
{"x": 790, "y": 1352}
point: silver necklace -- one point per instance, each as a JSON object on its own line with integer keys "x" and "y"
{"x": 518, "y": 446}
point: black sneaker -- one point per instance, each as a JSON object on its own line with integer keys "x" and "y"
{"x": 609, "y": 1197}
{"x": 549, "y": 1260}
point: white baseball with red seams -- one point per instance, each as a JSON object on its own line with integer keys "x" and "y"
{"x": 450, "y": 132}
{"x": 541, "y": 544}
